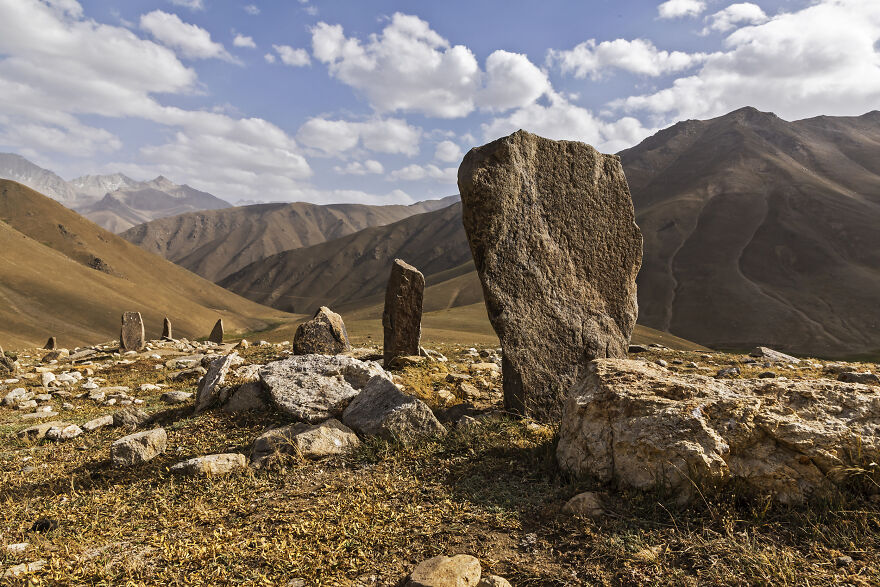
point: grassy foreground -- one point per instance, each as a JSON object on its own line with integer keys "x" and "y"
{"x": 492, "y": 491}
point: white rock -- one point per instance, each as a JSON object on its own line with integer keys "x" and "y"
{"x": 211, "y": 465}
{"x": 311, "y": 441}
{"x": 48, "y": 378}
{"x": 64, "y": 433}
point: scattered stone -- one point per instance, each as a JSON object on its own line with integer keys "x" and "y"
{"x": 766, "y": 375}
{"x": 553, "y": 235}
{"x": 17, "y": 548}
{"x": 314, "y": 388}
{"x": 636, "y": 425}
{"x": 47, "y": 379}
{"x": 443, "y": 571}
{"x": 39, "y": 415}
{"x": 402, "y": 317}
{"x": 51, "y": 344}
{"x": 432, "y": 355}
{"x": 309, "y": 441}
{"x": 166, "y": 329}
{"x": 772, "y": 356}
{"x": 131, "y": 336}
{"x": 403, "y": 361}
{"x": 866, "y": 378}
{"x": 129, "y": 418}
{"x": 23, "y": 569}
{"x": 243, "y": 344}
{"x": 637, "y": 348}
{"x": 383, "y": 410}
{"x": 175, "y": 397}
{"x": 467, "y": 392}
{"x": 493, "y": 581}
{"x": 138, "y": 448}
{"x": 216, "y": 335}
{"x": 55, "y": 356}
{"x": 149, "y": 387}
{"x": 843, "y": 561}
{"x": 324, "y": 334}
{"x": 17, "y": 395}
{"x": 64, "y": 432}
{"x": 587, "y": 504}
{"x": 248, "y": 397}
{"x": 728, "y": 373}
{"x": 211, "y": 465}
{"x": 208, "y": 393}
{"x": 38, "y": 432}
{"x": 661, "y": 363}
{"x": 100, "y": 422}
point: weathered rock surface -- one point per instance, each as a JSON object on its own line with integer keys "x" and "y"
{"x": 865, "y": 378}
{"x": 138, "y": 448}
{"x": 587, "y": 504}
{"x": 402, "y": 317}
{"x": 314, "y": 388}
{"x": 131, "y": 336}
{"x": 638, "y": 425}
{"x": 176, "y": 397}
{"x": 248, "y": 397}
{"x": 772, "y": 356}
{"x": 211, "y": 465}
{"x": 63, "y": 432}
{"x": 447, "y": 571}
{"x": 493, "y": 581}
{"x": 383, "y": 410}
{"x": 38, "y": 431}
{"x": 324, "y": 334}
{"x": 553, "y": 235}
{"x": 216, "y": 335}
{"x": 129, "y": 418}
{"x": 311, "y": 441}
{"x": 208, "y": 392}
{"x": 99, "y": 422}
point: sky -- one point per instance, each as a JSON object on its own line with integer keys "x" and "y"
{"x": 377, "y": 101}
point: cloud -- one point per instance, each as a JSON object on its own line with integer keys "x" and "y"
{"x": 681, "y": 8}
{"x": 369, "y": 166}
{"x": 512, "y": 82}
{"x": 448, "y": 152}
{"x": 291, "y": 56}
{"x": 819, "y": 60}
{"x": 333, "y": 137}
{"x": 735, "y": 14}
{"x": 243, "y": 41}
{"x": 269, "y": 58}
{"x": 191, "y": 4}
{"x": 189, "y": 40}
{"x": 638, "y": 56}
{"x": 423, "y": 172}
{"x": 252, "y": 9}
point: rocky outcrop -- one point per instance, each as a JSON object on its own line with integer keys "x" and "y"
{"x": 314, "y": 388}
{"x": 638, "y": 425}
{"x": 383, "y": 410}
{"x": 402, "y": 317}
{"x": 131, "y": 336}
{"x": 324, "y": 334}
{"x": 554, "y": 239}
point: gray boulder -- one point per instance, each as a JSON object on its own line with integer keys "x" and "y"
{"x": 324, "y": 334}
{"x": 247, "y": 397}
{"x": 383, "y": 410}
{"x": 402, "y": 317}
{"x": 311, "y": 441}
{"x": 138, "y": 448}
{"x": 553, "y": 234}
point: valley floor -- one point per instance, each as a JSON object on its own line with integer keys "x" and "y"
{"x": 490, "y": 490}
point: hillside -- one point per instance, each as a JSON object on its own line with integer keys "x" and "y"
{"x": 17, "y": 168}
{"x": 217, "y": 243}
{"x": 62, "y": 275}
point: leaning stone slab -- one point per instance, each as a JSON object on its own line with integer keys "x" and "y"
{"x": 131, "y": 336}
{"x": 553, "y": 234}
{"x": 402, "y": 317}
{"x": 211, "y": 465}
{"x": 208, "y": 392}
{"x": 324, "y": 334}
{"x": 383, "y": 410}
{"x": 772, "y": 356}
{"x": 637, "y": 425}
{"x": 314, "y": 388}
{"x": 311, "y": 441}
{"x": 138, "y": 448}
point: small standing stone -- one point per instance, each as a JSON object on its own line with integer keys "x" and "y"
{"x": 131, "y": 337}
{"x": 166, "y": 329}
{"x": 217, "y": 333}
{"x": 402, "y": 318}
{"x": 51, "y": 344}
{"x": 324, "y": 334}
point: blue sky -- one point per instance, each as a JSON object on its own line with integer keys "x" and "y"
{"x": 376, "y": 101}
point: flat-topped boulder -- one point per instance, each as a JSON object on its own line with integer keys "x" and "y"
{"x": 553, "y": 234}
{"x": 638, "y": 425}
{"x": 324, "y": 334}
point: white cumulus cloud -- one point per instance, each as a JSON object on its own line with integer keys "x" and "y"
{"x": 292, "y": 57}
{"x": 735, "y": 15}
{"x": 370, "y": 166}
{"x": 448, "y": 152}
{"x": 252, "y": 9}
{"x": 389, "y": 135}
{"x": 681, "y": 8}
{"x": 191, "y": 4}
{"x": 638, "y": 56}
{"x": 244, "y": 41}
{"x": 512, "y": 81}
{"x": 423, "y": 172}
{"x": 189, "y": 40}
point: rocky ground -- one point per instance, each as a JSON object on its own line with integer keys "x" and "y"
{"x": 489, "y": 488}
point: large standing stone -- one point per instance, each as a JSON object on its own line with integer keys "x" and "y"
{"x": 637, "y": 425}
{"x": 166, "y": 329}
{"x": 324, "y": 334}
{"x": 138, "y": 448}
{"x": 383, "y": 410}
{"x": 131, "y": 337}
{"x": 553, "y": 234}
{"x": 51, "y": 344}
{"x": 317, "y": 387}
{"x": 402, "y": 318}
{"x": 217, "y": 333}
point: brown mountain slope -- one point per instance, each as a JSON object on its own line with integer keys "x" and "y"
{"x": 217, "y": 243}
{"x": 63, "y": 275}
{"x": 759, "y": 230}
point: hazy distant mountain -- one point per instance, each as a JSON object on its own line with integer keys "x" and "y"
{"x": 757, "y": 231}
{"x": 216, "y": 243}
{"x": 61, "y": 275}
{"x": 17, "y": 168}
{"x": 96, "y": 186}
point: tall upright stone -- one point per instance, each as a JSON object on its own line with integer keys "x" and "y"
{"x": 166, "y": 328}
{"x": 553, "y": 234}
{"x": 131, "y": 336}
{"x": 402, "y": 318}
{"x": 217, "y": 332}
{"x": 51, "y": 344}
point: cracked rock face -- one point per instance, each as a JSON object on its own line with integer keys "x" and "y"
{"x": 315, "y": 388}
{"x": 553, "y": 234}
{"x": 324, "y": 334}
{"x": 637, "y": 425}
